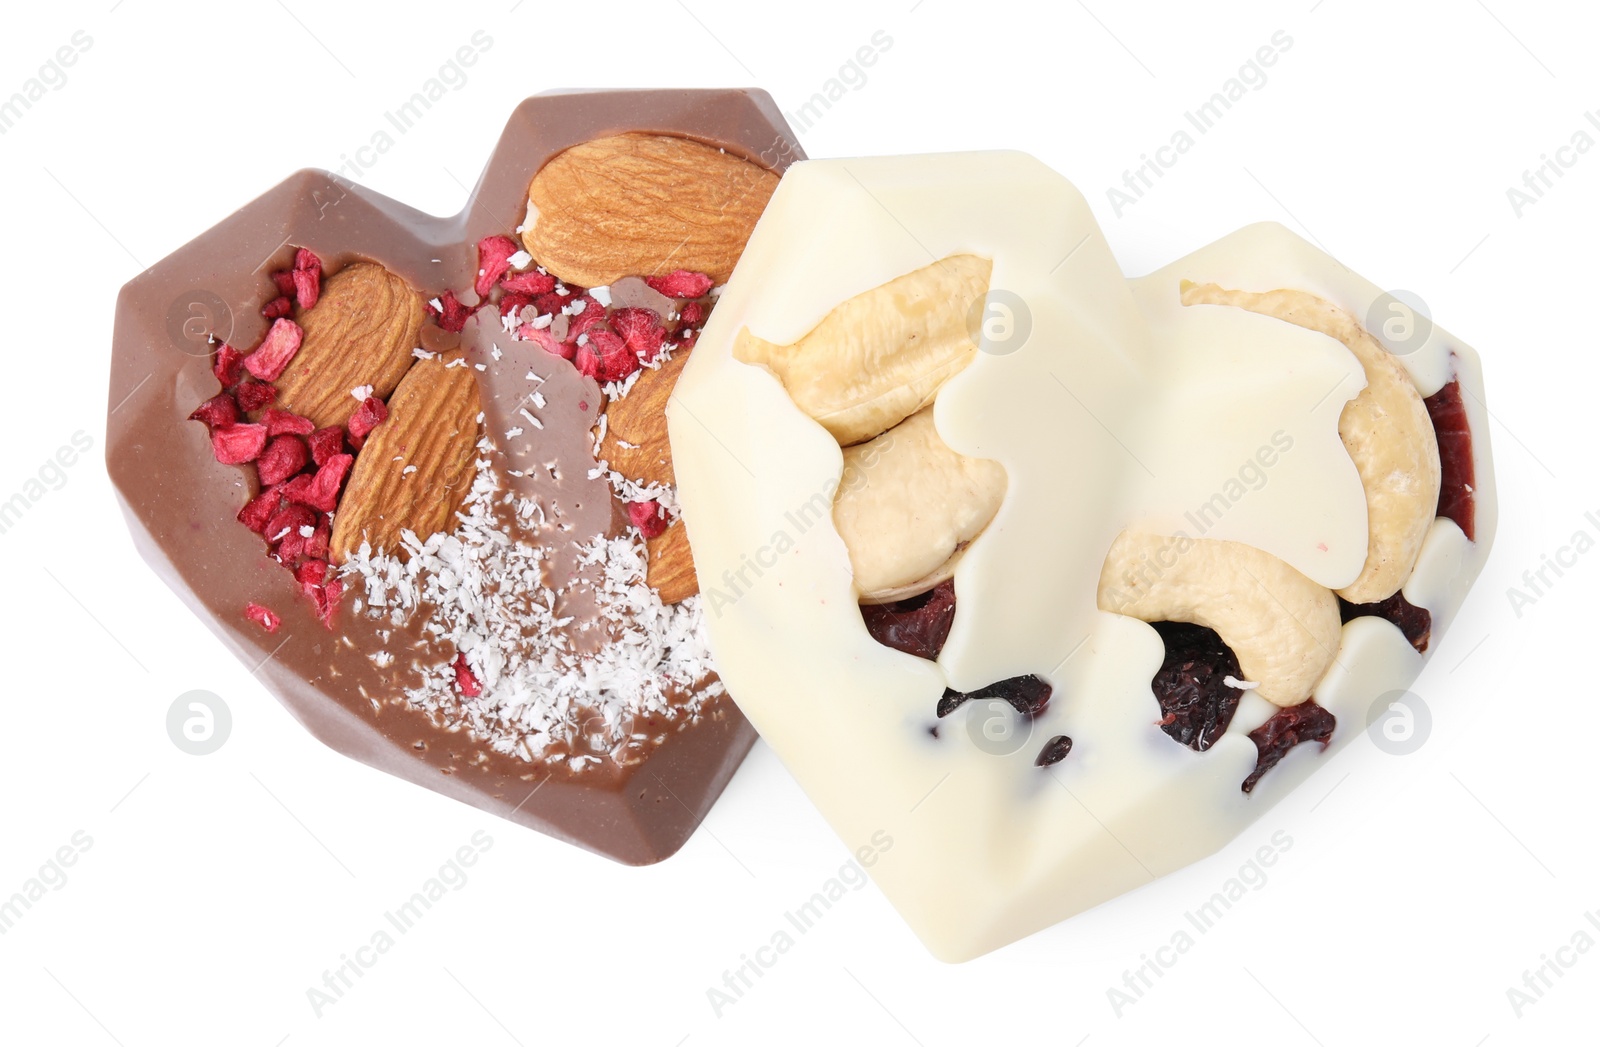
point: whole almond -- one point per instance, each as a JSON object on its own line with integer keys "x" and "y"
{"x": 417, "y": 465}
{"x": 641, "y": 204}
{"x": 670, "y": 571}
{"x": 640, "y": 420}
{"x": 361, "y": 332}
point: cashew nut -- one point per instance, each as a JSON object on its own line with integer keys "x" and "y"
{"x": 1386, "y": 430}
{"x": 907, "y": 506}
{"x": 878, "y": 358}
{"x": 1283, "y": 627}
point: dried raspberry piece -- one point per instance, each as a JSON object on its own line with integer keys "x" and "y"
{"x": 466, "y": 682}
{"x": 297, "y": 490}
{"x": 531, "y": 282}
{"x": 324, "y": 490}
{"x": 550, "y": 302}
{"x": 452, "y": 316}
{"x": 283, "y": 279}
{"x": 686, "y": 342}
{"x": 593, "y": 313}
{"x": 617, "y": 361}
{"x": 279, "y": 422}
{"x": 238, "y": 443}
{"x": 587, "y": 360}
{"x": 494, "y": 258}
{"x": 325, "y": 443}
{"x": 283, "y": 457}
{"x": 648, "y": 517}
{"x": 262, "y": 617}
{"x": 307, "y": 278}
{"x": 547, "y": 341}
{"x": 311, "y": 573}
{"x": 642, "y": 329}
{"x": 317, "y": 544}
{"x": 279, "y": 306}
{"x": 365, "y": 419}
{"x": 258, "y": 511}
{"x": 681, "y": 283}
{"x": 253, "y": 396}
{"x": 219, "y": 410}
{"x": 323, "y": 592}
{"x": 288, "y": 520}
{"x": 227, "y": 365}
{"x": 1306, "y": 722}
{"x": 327, "y": 601}
{"x": 918, "y": 625}
{"x": 513, "y": 302}
{"x": 275, "y": 351}
{"x": 693, "y": 314}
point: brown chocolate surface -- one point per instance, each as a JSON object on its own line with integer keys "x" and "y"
{"x": 180, "y": 503}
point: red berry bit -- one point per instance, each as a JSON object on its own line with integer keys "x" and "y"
{"x": 279, "y": 422}
{"x": 1197, "y": 703}
{"x": 228, "y": 364}
{"x": 253, "y": 396}
{"x": 648, "y": 517}
{"x": 320, "y": 490}
{"x": 529, "y": 283}
{"x": 218, "y": 411}
{"x": 1306, "y": 722}
{"x": 284, "y": 280}
{"x": 325, "y": 443}
{"x": 323, "y": 592}
{"x": 593, "y": 313}
{"x": 262, "y": 617}
{"x": 365, "y": 419}
{"x": 287, "y": 521}
{"x": 1449, "y": 414}
{"x": 275, "y": 351}
{"x": 283, "y": 457}
{"x": 258, "y": 511}
{"x": 641, "y": 329}
{"x": 1028, "y": 695}
{"x": 238, "y": 443}
{"x": 466, "y": 682}
{"x": 307, "y": 278}
{"x": 681, "y": 283}
{"x": 279, "y": 306}
{"x": 693, "y": 314}
{"x": 918, "y": 626}
{"x": 452, "y": 314}
{"x": 547, "y": 341}
{"x": 494, "y": 254}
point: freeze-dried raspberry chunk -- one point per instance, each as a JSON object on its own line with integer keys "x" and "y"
{"x": 253, "y": 396}
{"x": 283, "y": 279}
{"x": 258, "y": 511}
{"x": 681, "y": 283}
{"x": 323, "y": 592}
{"x": 550, "y": 302}
{"x": 262, "y": 617}
{"x": 547, "y": 341}
{"x": 365, "y": 419}
{"x": 325, "y": 443}
{"x": 616, "y": 360}
{"x": 317, "y": 544}
{"x": 648, "y": 517}
{"x": 227, "y": 365}
{"x": 275, "y": 351}
{"x": 531, "y": 282}
{"x": 279, "y": 422}
{"x": 238, "y": 443}
{"x": 593, "y": 313}
{"x": 327, "y": 601}
{"x": 494, "y": 258}
{"x": 452, "y": 314}
{"x": 307, "y": 277}
{"x": 279, "y": 306}
{"x": 514, "y": 302}
{"x": 693, "y": 314}
{"x": 219, "y": 410}
{"x": 641, "y": 329}
{"x": 466, "y": 682}
{"x": 311, "y": 573}
{"x": 283, "y": 457}
{"x": 287, "y": 521}
{"x": 323, "y": 493}
{"x": 587, "y": 360}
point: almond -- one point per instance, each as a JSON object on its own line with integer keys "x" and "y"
{"x": 671, "y": 568}
{"x": 640, "y": 419}
{"x": 640, "y": 204}
{"x": 360, "y": 332}
{"x": 417, "y": 466}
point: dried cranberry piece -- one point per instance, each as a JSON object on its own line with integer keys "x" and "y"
{"x": 641, "y": 329}
{"x": 648, "y": 517}
{"x": 258, "y": 511}
{"x": 365, "y": 419}
{"x": 283, "y": 457}
{"x": 1414, "y": 622}
{"x": 452, "y": 314}
{"x": 219, "y": 410}
{"x": 531, "y": 282}
{"x": 228, "y": 364}
{"x": 918, "y": 625}
{"x": 494, "y": 258}
{"x": 1028, "y": 695}
{"x": 253, "y": 396}
{"x": 1456, "y": 474}
{"x": 1196, "y": 703}
{"x": 279, "y": 306}
{"x": 1054, "y": 751}
{"x": 466, "y": 682}
{"x": 307, "y": 278}
{"x": 238, "y": 443}
{"x": 279, "y": 422}
{"x": 681, "y": 283}
{"x": 262, "y": 617}
{"x": 325, "y": 443}
{"x": 1306, "y": 722}
{"x": 275, "y": 351}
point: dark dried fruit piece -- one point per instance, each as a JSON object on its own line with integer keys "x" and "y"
{"x": 275, "y": 351}
{"x": 1054, "y": 751}
{"x": 366, "y": 418}
{"x": 466, "y": 682}
{"x": 262, "y": 616}
{"x": 238, "y": 443}
{"x": 217, "y": 411}
{"x": 918, "y": 626}
{"x": 1456, "y": 475}
{"x": 1306, "y": 722}
{"x": 648, "y": 517}
{"x": 1415, "y": 623}
{"x": 1196, "y": 704}
{"x": 1028, "y": 695}
{"x": 494, "y": 258}
{"x": 693, "y": 314}
{"x": 681, "y": 283}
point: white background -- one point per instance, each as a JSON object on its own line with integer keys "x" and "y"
{"x": 218, "y": 889}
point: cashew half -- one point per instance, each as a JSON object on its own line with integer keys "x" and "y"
{"x": 1386, "y": 430}
{"x": 1283, "y": 627}
{"x": 881, "y": 356}
{"x": 907, "y": 506}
